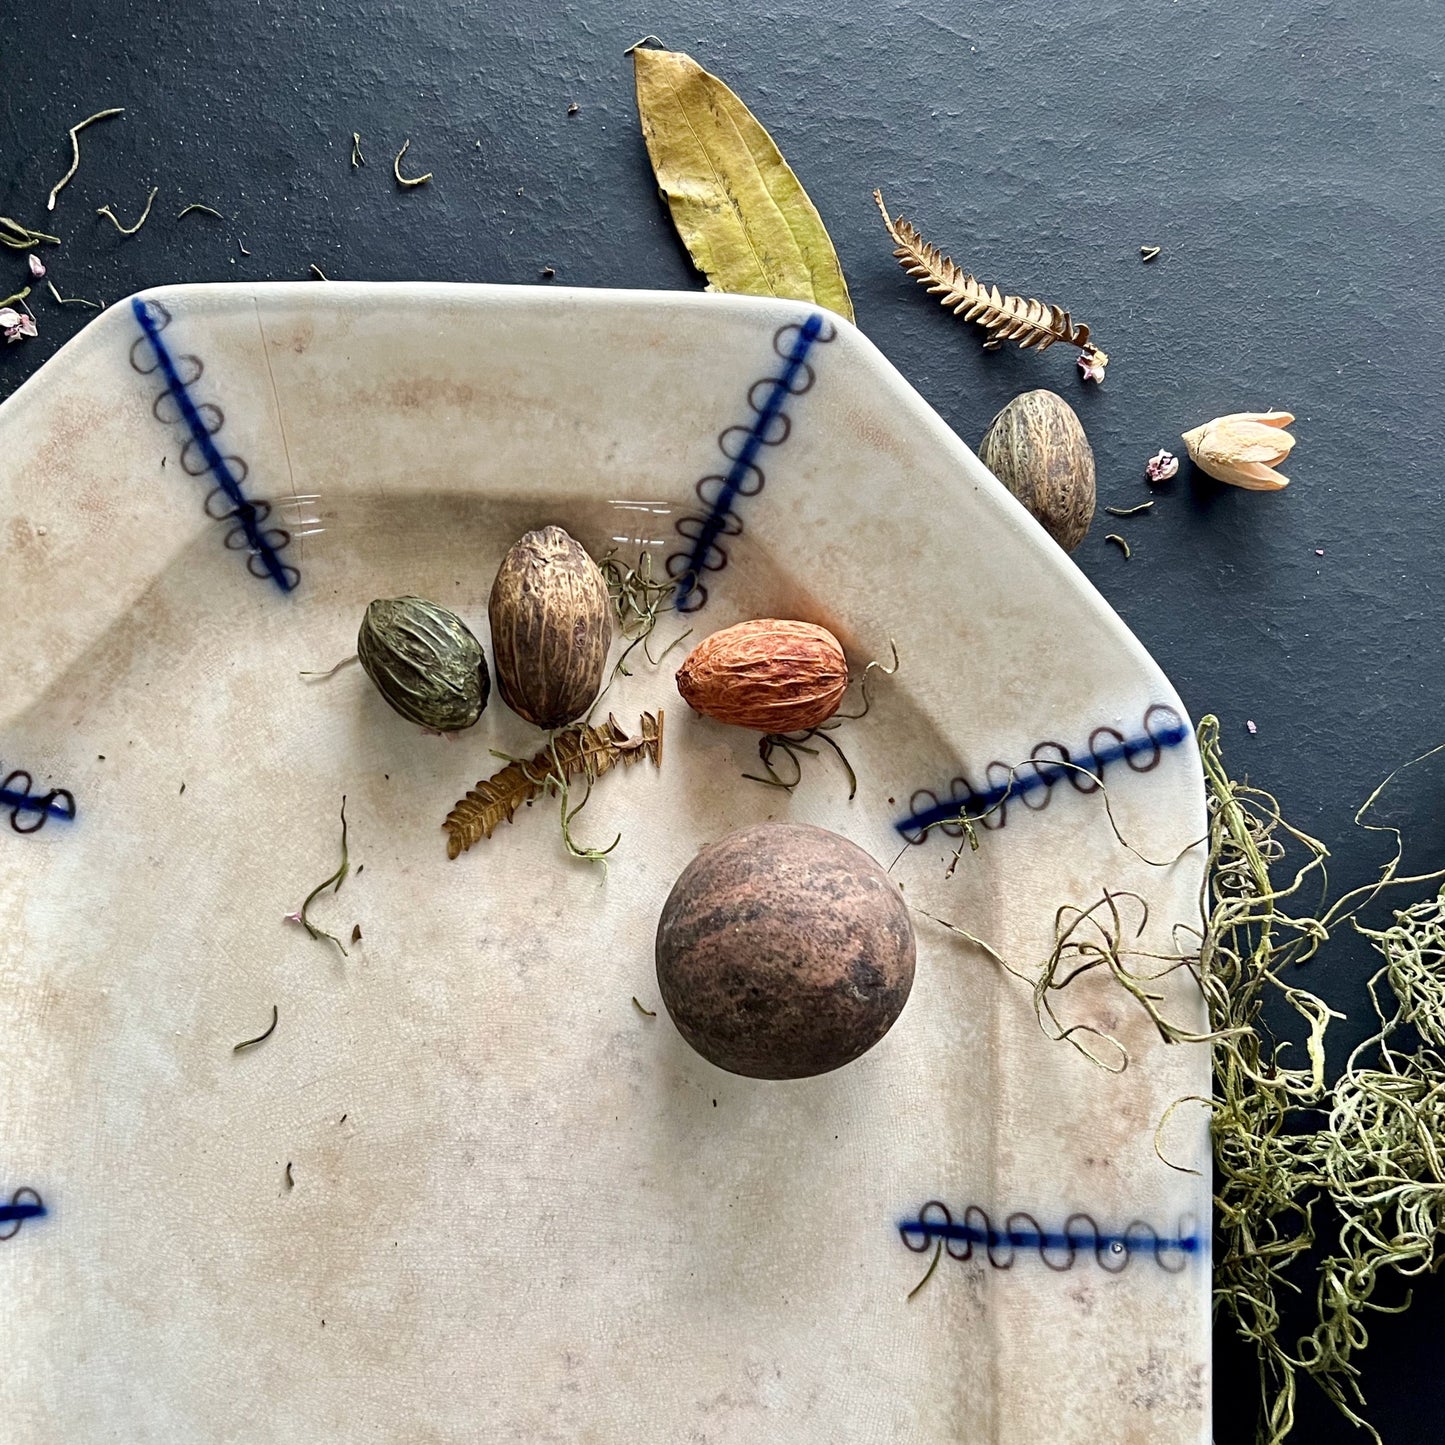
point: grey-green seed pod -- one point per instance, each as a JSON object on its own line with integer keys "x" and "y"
{"x": 424, "y": 662}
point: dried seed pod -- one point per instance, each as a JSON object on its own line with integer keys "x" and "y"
{"x": 1037, "y": 448}
{"x": 551, "y": 628}
{"x": 424, "y": 662}
{"x": 784, "y": 951}
{"x": 770, "y": 674}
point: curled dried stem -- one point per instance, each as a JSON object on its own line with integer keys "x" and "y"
{"x": 144, "y": 215}
{"x": 75, "y": 131}
{"x": 402, "y": 180}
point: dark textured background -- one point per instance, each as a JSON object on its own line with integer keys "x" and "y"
{"x": 1288, "y": 159}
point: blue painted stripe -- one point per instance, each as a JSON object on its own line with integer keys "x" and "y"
{"x": 216, "y": 464}
{"x": 1045, "y": 1240}
{"x": 36, "y": 803}
{"x": 10, "y": 1212}
{"x": 782, "y": 386}
{"x": 1042, "y": 774}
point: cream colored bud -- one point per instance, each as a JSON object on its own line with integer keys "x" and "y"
{"x": 1243, "y": 448}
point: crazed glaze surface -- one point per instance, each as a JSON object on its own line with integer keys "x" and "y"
{"x": 465, "y": 1189}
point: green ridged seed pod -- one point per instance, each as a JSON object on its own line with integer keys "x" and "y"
{"x": 424, "y": 662}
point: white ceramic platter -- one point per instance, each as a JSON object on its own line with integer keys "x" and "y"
{"x": 466, "y": 1190}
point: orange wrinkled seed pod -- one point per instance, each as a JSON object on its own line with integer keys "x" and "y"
{"x": 770, "y": 674}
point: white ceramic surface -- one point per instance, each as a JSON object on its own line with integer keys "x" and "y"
{"x": 521, "y": 1209}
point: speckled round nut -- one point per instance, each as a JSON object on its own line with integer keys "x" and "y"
{"x": 1037, "y": 448}
{"x": 784, "y": 951}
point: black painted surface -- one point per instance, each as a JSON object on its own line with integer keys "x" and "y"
{"x": 1287, "y": 158}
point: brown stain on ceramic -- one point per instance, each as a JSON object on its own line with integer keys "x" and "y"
{"x": 68, "y": 1021}
{"x": 298, "y": 338}
{"x": 21, "y": 534}
{"x": 431, "y": 393}
{"x": 880, "y": 437}
{"x": 71, "y": 440}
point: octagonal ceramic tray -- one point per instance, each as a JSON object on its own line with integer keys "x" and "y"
{"x": 467, "y": 1190}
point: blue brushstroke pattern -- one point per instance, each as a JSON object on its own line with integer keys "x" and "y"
{"x": 1042, "y": 774}
{"x": 226, "y": 479}
{"x": 9, "y": 1212}
{"x": 781, "y": 388}
{"x": 37, "y": 803}
{"x": 1045, "y": 1240}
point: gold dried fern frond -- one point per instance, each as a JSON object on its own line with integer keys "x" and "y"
{"x": 1030, "y": 322}
{"x": 585, "y": 751}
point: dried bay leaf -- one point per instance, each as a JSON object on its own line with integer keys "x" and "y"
{"x": 743, "y": 215}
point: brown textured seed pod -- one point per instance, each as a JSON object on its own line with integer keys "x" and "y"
{"x": 784, "y": 951}
{"x": 551, "y": 628}
{"x": 1037, "y": 448}
{"x": 770, "y": 674}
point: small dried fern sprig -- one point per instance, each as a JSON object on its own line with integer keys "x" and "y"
{"x": 1032, "y": 323}
{"x": 580, "y": 751}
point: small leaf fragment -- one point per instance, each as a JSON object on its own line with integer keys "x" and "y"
{"x": 743, "y": 215}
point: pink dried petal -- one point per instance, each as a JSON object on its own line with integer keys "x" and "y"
{"x": 1319, "y": 551}
{"x": 1161, "y": 466}
{"x": 13, "y": 333}
{"x": 1250, "y": 725}
{"x": 1090, "y": 368}
{"x": 27, "y": 326}
{"x": 37, "y": 266}
{"x": 293, "y": 917}
{"x": 9, "y": 317}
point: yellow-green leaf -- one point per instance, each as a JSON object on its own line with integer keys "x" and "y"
{"x": 744, "y": 217}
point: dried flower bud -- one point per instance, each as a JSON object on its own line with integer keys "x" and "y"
{"x": 1243, "y": 448}
{"x": 37, "y": 266}
{"x": 1091, "y": 363}
{"x": 1161, "y": 466}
